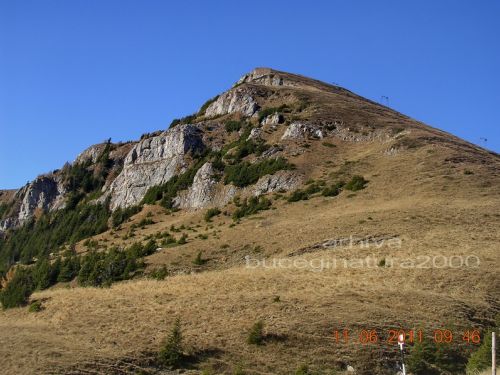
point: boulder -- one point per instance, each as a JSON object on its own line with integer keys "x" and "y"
{"x": 273, "y": 120}
{"x": 301, "y": 130}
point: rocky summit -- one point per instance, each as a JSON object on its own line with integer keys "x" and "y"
{"x": 277, "y": 107}
{"x": 284, "y": 210}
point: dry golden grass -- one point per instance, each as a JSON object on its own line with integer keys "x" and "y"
{"x": 218, "y": 307}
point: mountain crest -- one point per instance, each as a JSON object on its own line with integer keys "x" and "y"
{"x": 268, "y": 115}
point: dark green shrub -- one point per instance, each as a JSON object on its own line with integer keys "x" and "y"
{"x": 183, "y": 120}
{"x": 171, "y": 353}
{"x": 251, "y": 206}
{"x": 4, "y": 207}
{"x": 120, "y": 215}
{"x": 256, "y": 334}
{"x": 145, "y": 221}
{"x": 244, "y": 147}
{"x": 103, "y": 269}
{"x": 35, "y": 306}
{"x": 211, "y": 212}
{"x": 169, "y": 241}
{"x": 217, "y": 162}
{"x": 159, "y": 273}
{"x": 199, "y": 261}
{"x": 312, "y": 189}
{"x": 429, "y": 358}
{"x": 333, "y": 190}
{"x": 233, "y": 126}
{"x": 42, "y": 274}
{"x": 206, "y": 105}
{"x": 50, "y": 231}
{"x": 149, "y": 248}
{"x": 18, "y": 290}
{"x": 422, "y": 356}
{"x": 481, "y": 358}
{"x": 356, "y": 183}
{"x": 244, "y": 173}
{"x": 298, "y": 195}
{"x": 69, "y": 265}
{"x": 183, "y": 239}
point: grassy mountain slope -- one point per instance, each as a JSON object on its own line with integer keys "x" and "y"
{"x": 434, "y": 193}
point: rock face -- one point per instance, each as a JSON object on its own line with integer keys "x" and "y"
{"x": 300, "y": 130}
{"x": 44, "y": 193}
{"x": 205, "y": 191}
{"x": 264, "y": 76}
{"x": 280, "y": 181}
{"x": 153, "y": 161}
{"x": 8, "y": 223}
{"x": 255, "y": 134}
{"x": 92, "y": 153}
{"x": 200, "y": 193}
{"x": 233, "y": 101}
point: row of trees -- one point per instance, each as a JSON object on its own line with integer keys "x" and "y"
{"x": 93, "y": 269}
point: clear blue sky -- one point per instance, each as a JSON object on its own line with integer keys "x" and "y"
{"x": 73, "y": 73}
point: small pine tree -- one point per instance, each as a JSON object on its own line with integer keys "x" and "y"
{"x": 183, "y": 239}
{"x": 42, "y": 274}
{"x": 35, "y": 306}
{"x": 356, "y": 183}
{"x": 18, "y": 290}
{"x": 422, "y": 355}
{"x": 171, "y": 354}
{"x": 256, "y": 334}
{"x": 199, "y": 261}
{"x": 481, "y": 358}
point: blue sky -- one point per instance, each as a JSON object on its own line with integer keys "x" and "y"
{"x": 73, "y": 73}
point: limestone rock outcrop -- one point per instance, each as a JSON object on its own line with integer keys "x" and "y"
{"x": 153, "y": 161}
{"x": 233, "y": 101}
{"x": 206, "y": 191}
{"x": 278, "y": 182}
{"x": 301, "y": 130}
